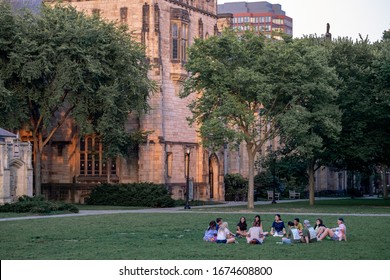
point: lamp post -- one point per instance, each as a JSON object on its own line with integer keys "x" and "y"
{"x": 272, "y": 154}
{"x": 187, "y": 156}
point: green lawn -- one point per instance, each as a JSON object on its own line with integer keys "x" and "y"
{"x": 345, "y": 206}
{"x": 179, "y": 236}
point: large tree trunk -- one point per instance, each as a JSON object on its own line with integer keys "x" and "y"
{"x": 38, "y": 163}
{"x": 384, "y": 184}
{"x": 310, "y": 171}
{"x": 251, "y": 184}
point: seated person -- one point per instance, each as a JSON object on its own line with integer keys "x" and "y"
{"x": 319, "y": 227}
{"x": 257, "y": 222}
{"x": 278, "y": 228}
{"x": 210, "y": 234}
{"x": 224, "y": 235}
{"x": 255, "y": 234}
{"x": 292, "y": 234}
{"x": 308, "y": 233}
{"x": 297, "y": 224}
{"x": 338, "y": 234}
{"x": 241, "y": 227}
{"x": 219, "y": 222}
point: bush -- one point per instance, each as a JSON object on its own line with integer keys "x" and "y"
{"x": 135, "y": 194}
{"x": 236, "y": 187}
{"x": 37, "y": 204}
{"x": 263, "y": 182}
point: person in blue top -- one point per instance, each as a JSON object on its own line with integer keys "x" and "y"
{"x": 210, "y": 234}
{"x": 278, "y": 228}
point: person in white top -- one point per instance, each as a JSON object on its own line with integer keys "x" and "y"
{"x": 255, "y": 234}
{"x": 224, "y": 235}
{"x": 339, "y": 233}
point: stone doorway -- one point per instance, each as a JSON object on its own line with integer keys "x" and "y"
{"x": 215, "y": 193}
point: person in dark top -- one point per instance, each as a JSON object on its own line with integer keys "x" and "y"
{"x": 241, "y": 228}
{"x": 278, "y": 228}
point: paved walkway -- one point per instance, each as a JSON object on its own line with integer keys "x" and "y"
{"x": 181, "y": 210}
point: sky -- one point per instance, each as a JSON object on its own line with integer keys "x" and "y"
{"x": 347, "y": 18}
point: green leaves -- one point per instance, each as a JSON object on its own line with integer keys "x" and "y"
{"x": 61, "y": 63}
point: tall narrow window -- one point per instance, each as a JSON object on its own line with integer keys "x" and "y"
{"x": 179, "y": 34}
{"x": 156, "y": 18}
{"x": 169, "y": 164}
{"x": 200, "y": 28}
{"x": 145, "y": 18}
{"x": 175, "y": 42}
{"x": 123, "y": 14}
{"x": 184, "y": 42}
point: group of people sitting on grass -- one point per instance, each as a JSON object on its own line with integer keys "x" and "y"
{"x": 219, "y": 232}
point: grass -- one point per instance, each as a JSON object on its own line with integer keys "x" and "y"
{"x": 344, "y": 206}
{"x": 169, "y": 236}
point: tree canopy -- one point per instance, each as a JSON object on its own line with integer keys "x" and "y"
{"x": 60, "y": 63}
{"x": 248, "y": 84}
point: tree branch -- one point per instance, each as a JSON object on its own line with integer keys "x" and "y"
{"x": 59, "y": 123}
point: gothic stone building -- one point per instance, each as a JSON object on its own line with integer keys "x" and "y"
{"x": 72, "y": 163}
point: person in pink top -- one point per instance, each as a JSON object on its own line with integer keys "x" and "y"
{"x": 338, "y": 234}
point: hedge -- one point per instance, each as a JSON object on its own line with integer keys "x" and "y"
{"x": 134, "y": 194}
{"x": 37, "y": 204}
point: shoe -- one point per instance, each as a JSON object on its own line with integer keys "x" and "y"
{"x": 235, "y": 241}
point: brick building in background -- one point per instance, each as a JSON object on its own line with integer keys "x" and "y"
{"x": 261, "y": 16}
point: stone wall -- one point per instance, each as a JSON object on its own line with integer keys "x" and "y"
{"x": 16, "y": 174}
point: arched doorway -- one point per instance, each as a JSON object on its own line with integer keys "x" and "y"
{"x": 214, "y": 178}
{"x": 17, "y": 177}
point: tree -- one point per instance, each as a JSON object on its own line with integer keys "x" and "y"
{"x": 246, "y": 83}
{"x": 313, "y": 121}
{"x": 386, "y": 35}
{"x": 59, "y": 64}
{"x": 353, "y": 63}
{"x": 364, "y": 141}
{"x": 381, "y": 108}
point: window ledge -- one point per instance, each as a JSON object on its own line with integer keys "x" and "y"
{"x": 100, "y": 179}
